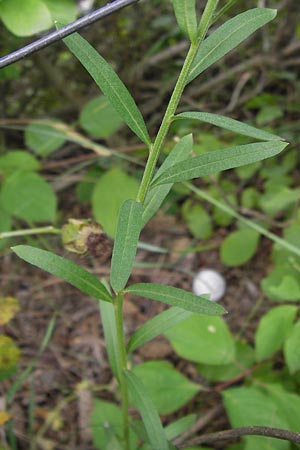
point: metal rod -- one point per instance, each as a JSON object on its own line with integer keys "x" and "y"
{"x": 57, "y": 35}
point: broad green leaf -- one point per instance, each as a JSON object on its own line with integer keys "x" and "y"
{"x": 178, "y": 427}
{"x": 24, "y": 18}
{"x": 108, "y": 321}
{"x": 168, "y": 388}
{"x": 292, "y": 349}
{"x": 268, "y": 113}
{"x": 176, "y": 297}
{"x": 250, "y": 197}
{"x": 110, "y": 84}
{"x": 99, "y": 118}
{"x": 288, "y": 404}
{"x": 5, "y": 225}
{"x": 229, "y": 124}
{"x": 272, "y": 330}
{"x": 208, "y": 448}
{"x": 219, "y": 160}
{"x": 229, "y": 36}
{"x": 64, "y": 269}
{"x": 185, "y": 11}
{"x": 244, "y": 359}
{"x": 63, "y": 11}
{"x": 43, "y": 138}
{"x": 282, "y": 284}
{"x": 197, "y": 219}
{"x": 113, "y": 442}
{"x": 239, "y": 247}
{"x": 248, "y": 406}
{"x": 156, "y": 195}
{"x": 107, "y": 415}
{"x": 278, "y": 198}
{"x": 109, "y": 194}
{"x": 203, "y": 339}
{"x": 127, "y": 235}
{"x": 17, "y": 160}
{"x": 150, "y": 416}
{"x": 156, "y": 326}
{"x": 28, "y": 196}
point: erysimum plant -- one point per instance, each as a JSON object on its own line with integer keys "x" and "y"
{"x": 155, "y": 184}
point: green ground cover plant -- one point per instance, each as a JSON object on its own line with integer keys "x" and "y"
{"x": 193, "y": 324}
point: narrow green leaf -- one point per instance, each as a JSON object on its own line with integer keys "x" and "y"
{"x": 156, "y": 196}
{"x": 148, "y": 412}
{"x": 185, "y": 12}
{"x": 229, "y": 124}
{"x": 65, "y": 269}
{"x": 127, "y": 235}
{"x": 176, "y": 297}
{"x": 219, "y": 160}
{"x": 108, "y": 321}
{"x": 109, "y": 83}
{"x": 178, "y": 427}
{"x": 156, "y": 326}
{"x": 229, "y": 36}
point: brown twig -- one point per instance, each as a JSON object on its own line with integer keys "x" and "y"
{"x": 199, "y": 425}
{"x": 236, "y": 433}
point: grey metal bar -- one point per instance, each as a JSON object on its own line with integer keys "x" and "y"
{"x": 57, "y": 35}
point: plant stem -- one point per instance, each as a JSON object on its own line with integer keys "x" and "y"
{"x": 30, "y": 231}
{"x": 123, "y": 366}
{"x": 174, "y": 100}
{"x": 255, "y": 226}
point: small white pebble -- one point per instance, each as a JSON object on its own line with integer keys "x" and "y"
{"x": 208, "y": 281}
{"x": 85, "y": 6}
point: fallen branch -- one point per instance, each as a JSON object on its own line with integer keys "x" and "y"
{"x": 235, "y": 433}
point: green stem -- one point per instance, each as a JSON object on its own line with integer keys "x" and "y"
{"x": 30, "y": 231}
{"x": 123, "y": 366}
{"x": 174, "y": 100}
{"x": 255, "y": 226}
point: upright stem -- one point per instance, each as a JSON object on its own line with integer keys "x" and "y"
{"x": 123, "y": 366}
{"x": 145, "y": 183}
{"x": 175, "y": 98}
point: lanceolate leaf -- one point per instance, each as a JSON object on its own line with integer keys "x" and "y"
{"x": 148, "y": 412}
{"x": 185, "y": 12}
{"x": 176, "y": 297}
{"x": 155, "y": 326}
{"x": 229, "y": 36}
{"x": 109, "y": 83}
{"x": 127, "y": 235}
{"x": 108, "y": 320}
{"x": 219, "y": 160}
{"x": 156, "y": 196}
{"x": 229, "y": 124}
{"x": 65, "y": 269}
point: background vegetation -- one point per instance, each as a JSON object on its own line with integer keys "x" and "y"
{"x": 63, "y": 147}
